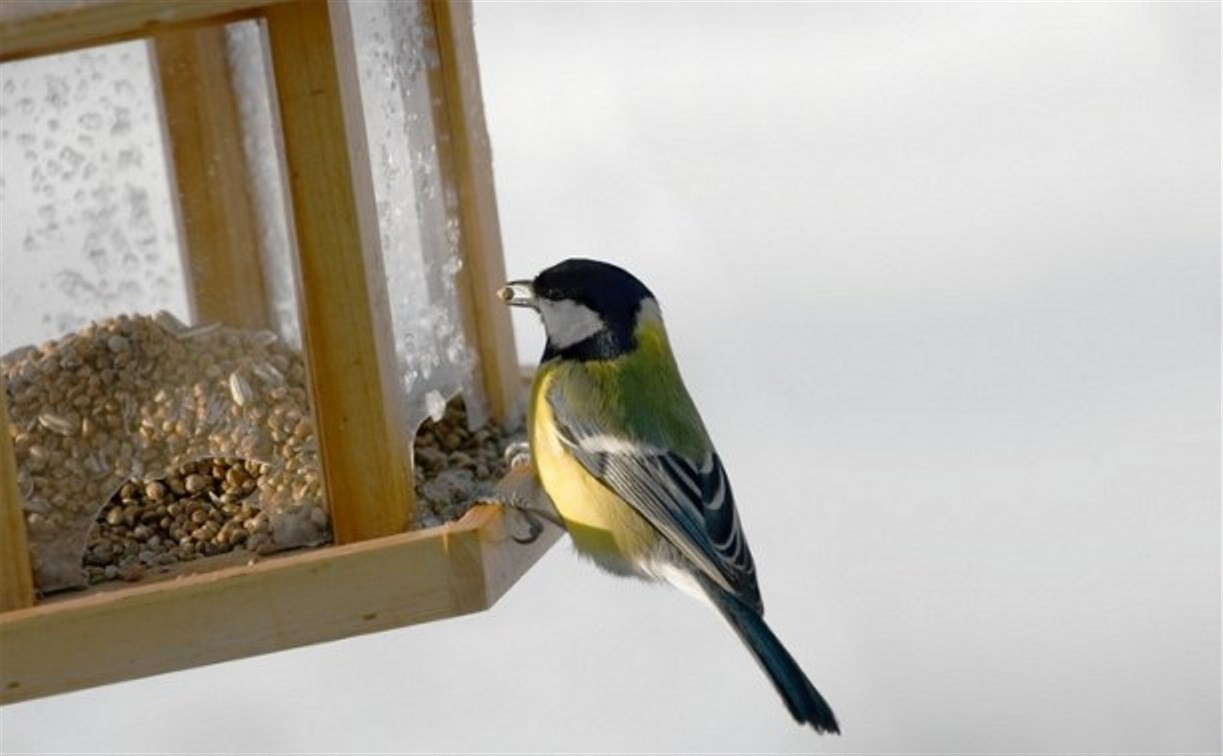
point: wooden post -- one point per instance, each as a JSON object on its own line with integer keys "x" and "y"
{"x": 221, "y": 260}
{"x": 346, "y": 320}
{"x": 16, "y": 578}
{"x": 466, "y": 161}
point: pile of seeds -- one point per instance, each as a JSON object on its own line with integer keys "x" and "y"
{"x": 454, "y": 465}
{"x": 141, "y": 442}
{"x": 204, "y": 508}
{"x": 199, "y": 510}
{"x": 135, "y": 398}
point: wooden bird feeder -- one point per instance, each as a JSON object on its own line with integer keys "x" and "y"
{"x": 375, "y": 573}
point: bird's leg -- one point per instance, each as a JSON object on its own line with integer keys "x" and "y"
{"x": 535, "y": 526}
{"x": 533, "y": 517}
{"x": 521, "y": 491}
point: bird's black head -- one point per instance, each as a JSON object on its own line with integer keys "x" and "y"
{"x": 589, "y": 308}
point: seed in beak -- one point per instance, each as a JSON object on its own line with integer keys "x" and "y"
{"x": 518, "y": 294}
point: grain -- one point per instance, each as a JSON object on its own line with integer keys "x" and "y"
{"x": 141, "y": 400}
{"x": 455, "y": 465}
{"x": 141, "y": 442}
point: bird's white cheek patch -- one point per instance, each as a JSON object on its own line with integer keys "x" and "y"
{"x": 568, "y": 323}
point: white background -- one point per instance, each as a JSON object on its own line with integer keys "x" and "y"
{"x": 944, "y": 280}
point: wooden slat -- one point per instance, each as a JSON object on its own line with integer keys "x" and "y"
{"x": 16, "y": 578}
{"x": 346, "y": 319}
{"x": 222, "y": 267}
{"x": 41, "y": 27}
{"x": 466, "y": 161}
{"x": 280, "y": 603}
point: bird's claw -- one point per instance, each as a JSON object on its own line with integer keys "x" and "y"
{"x": 536, "y": 528}
{"x": 535, "y": 520}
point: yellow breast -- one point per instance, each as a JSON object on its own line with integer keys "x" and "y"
{"x": 602, "y": 525}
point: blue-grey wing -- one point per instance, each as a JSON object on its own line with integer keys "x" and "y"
{"x": 689, "y": 501}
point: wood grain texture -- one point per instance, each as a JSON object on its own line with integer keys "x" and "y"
{"x": 283, "y": 602}
{"x": 16, "y": 578}
{"x": 466, "y": 161}
{"x": 219, "y": 235}
{"x": 41, "y": 27}
{"x": 346, "y": 320}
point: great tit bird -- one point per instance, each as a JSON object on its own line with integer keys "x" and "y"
{"x": 622, "y": 452}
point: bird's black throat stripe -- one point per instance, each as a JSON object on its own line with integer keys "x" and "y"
{"x": 607, "y": 344}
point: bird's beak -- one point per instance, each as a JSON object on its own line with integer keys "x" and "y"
{"x": 518, "y": 294}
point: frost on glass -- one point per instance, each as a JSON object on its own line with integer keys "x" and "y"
{"x": 140, "y": 441}
{"x": 86, "y": 223}
{"x": 417, "y": 213}
{"x": 251, "y": 78}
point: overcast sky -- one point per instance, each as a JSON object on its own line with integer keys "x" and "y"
{"x": 944, "y": 281}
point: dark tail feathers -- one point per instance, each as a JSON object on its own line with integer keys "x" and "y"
{"x": 802, "y": 699}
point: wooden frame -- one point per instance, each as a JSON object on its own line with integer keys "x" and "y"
{"x": 283, "y": 602}
{"x": 16, "y": 576}
{"x": 380, "y": 576}
{"x": 346, "y": 319}
{"x": 29, "y": 28}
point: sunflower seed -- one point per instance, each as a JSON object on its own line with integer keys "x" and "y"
{"x": 57, "y": 423}
{"x": 200, "y": 330}
{"x": 239, "y": 389}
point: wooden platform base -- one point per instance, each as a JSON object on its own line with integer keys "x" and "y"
{"x": 177, "y": 622}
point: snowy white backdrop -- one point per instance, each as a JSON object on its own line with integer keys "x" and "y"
{"x": 944, "y": 280}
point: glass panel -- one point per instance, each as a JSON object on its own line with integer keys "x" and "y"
{"x": 141, "y": 439}
{"x": 86, "y": 221}
{"x": 417, "y": 214}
